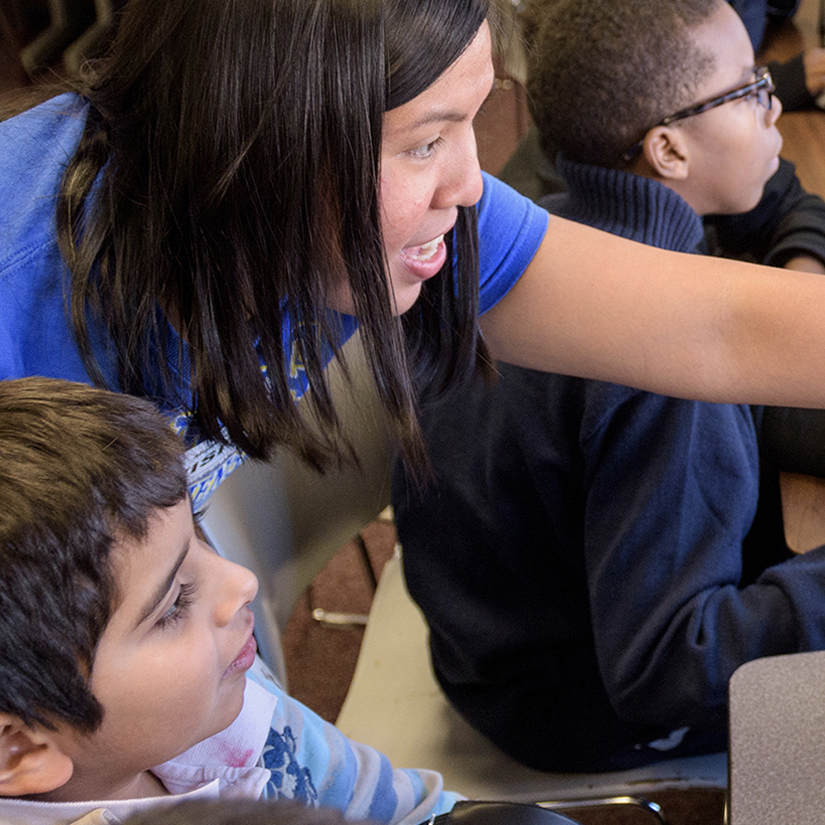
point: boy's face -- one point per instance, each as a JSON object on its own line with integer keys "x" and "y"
{"x": 170, "y": 667}
{"x": 734, "y": 147}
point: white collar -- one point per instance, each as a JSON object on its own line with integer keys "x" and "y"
{"x": 222, "y": 766}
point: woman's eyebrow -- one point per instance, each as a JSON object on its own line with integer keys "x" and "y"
{"x": 447, "y": 115}
{"x": 439, "y": 116}
{"x": 163, "y": 589}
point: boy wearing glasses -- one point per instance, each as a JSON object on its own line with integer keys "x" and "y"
{"x": 593, "y": 561}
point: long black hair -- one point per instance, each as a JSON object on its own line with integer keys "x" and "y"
{"x": 233, "y": 150}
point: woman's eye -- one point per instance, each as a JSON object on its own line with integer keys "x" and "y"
{"x": 185, "y": 599}
{"x": 425, "y": 151}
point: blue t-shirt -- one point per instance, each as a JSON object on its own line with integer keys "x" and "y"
{"x": 35, "y": 336}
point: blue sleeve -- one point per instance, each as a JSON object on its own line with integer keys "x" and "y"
{"x": 672, "y": 493}
{"x": 35, "y": 338}
{"x": 510, "y": 230}
{"x": 312, "y": 761}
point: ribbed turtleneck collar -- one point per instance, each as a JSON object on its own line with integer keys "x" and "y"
{"x": 628, "y": 205}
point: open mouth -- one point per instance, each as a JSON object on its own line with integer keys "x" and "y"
{"x": 424, "y": 252}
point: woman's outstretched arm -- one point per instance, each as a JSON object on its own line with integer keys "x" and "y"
{"x": 691, "y": 326}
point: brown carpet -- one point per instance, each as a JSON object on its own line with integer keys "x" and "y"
{"x": 320, "y": 659}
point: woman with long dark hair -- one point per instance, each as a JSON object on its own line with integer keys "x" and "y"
{"x": 203, "y": 221}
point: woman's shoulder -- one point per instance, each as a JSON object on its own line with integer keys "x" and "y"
{"x": 510, "y": 229}
{"x": 37, "y": 146}
{"x": 50, "y": 129}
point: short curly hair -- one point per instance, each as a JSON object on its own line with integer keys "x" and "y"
{"x": 603, "y": 72}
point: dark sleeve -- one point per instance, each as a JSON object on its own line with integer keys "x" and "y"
{"x": 780, "y": 10}
{"x": 789, "y": 79}
{"x": 788, "y": 221}
{"x": 794, "y": 439}
{"x": 754, "y": 14}
{"x": 671, "y": 497}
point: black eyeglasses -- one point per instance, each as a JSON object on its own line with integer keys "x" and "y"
{"x": 762, "y": 89}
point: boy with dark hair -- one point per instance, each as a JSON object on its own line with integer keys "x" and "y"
{"x": 594, "y": 561}
{"x": 126, "y": 642}
{"x": 799, "y": 84}
{"x": 637, "y": 74}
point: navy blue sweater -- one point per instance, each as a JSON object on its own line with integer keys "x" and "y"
{"x": 590, "y": 559}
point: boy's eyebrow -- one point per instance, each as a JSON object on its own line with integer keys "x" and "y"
{"x": 163, "y": 589}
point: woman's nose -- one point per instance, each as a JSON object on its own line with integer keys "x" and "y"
{"x": 462, "y": 184}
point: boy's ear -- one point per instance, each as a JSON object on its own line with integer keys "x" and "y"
{"x": 667, "y": 152}
{"x": 31, "y": 762}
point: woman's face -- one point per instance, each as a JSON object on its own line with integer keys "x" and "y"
{"x": 429, "y": 167}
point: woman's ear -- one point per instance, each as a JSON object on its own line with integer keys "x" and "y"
{"x": 31, "y": 762}
{"x": 666, "y": 151}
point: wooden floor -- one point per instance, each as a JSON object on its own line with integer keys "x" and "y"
{"x": 803, "y": 132}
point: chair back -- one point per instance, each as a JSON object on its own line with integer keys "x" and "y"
{"x": 284, "y": 520}
{"x": 777, "y": 741}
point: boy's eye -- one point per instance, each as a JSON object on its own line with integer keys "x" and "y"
{"x": 185, "y": 599}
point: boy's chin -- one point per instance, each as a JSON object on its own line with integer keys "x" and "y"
{"x": 742, "y": 205}
{"x": 234, "y": 709}
{"x": 753, "y": 204}
{"x": 227, "y": 710}
{"x": 747, "y": 205}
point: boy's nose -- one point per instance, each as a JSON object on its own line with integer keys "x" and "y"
{"x": 238, "y": 587}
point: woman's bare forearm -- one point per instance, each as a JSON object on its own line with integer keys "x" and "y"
{"x": 595, "y": 305}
